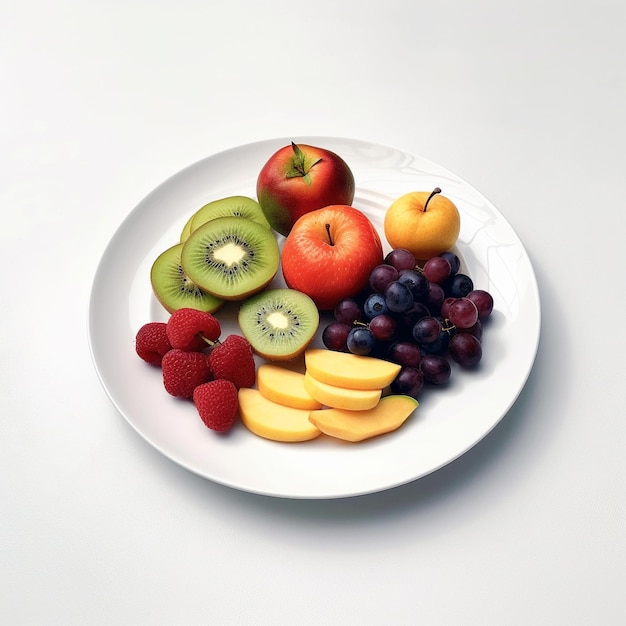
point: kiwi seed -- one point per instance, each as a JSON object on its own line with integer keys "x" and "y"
{"x": 231, "y": 257}
{"x": 279, "y": 323}
{"x": 173, "y": 288}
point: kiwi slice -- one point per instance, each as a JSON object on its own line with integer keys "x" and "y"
{"x": 173, "y": 288}
{"x": 233, "y": 206}
{"x": 279, "y": 323}
{"x": 186, "y": 231}
{"x": 231, "y": 257}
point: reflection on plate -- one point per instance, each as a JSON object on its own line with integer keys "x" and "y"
{"x": 448, "y": 422}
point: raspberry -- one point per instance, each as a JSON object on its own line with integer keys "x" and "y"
{"x": 217, "y": 403}
{"x": 151, "y": 342}
{"x": 183, "y": 371}
{"x": 233, "y": 360}
{"x": 186, "y": 325}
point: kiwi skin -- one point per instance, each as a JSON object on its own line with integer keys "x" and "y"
{"x": 186, "y": 231}
{"x": 210, "y": 257}
{"x": 172, "y": 287}
{"x": 279, "y": 323}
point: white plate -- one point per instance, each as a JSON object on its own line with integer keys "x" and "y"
{"x": 448, "y": 422}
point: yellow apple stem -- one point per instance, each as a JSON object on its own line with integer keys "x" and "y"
{"x": 330, "y": 239}
{"x": 434, "y": 192}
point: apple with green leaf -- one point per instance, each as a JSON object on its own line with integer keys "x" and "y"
{"x": 330, "y": 253}
{"x": 298, "y": 179}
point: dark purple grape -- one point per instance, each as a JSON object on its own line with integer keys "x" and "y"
{"x": 409, "y": 382}
{"x": 463, "y": 313}
{"x": 476, "y": 330}
{"x": 483, "y": 301}
{"x": 437, "y": 269}
{"x": 434, "y": 298}
{"x": 401, "y": 259}
{"x": 335, "y": 336}
{"x": 435, "y": 369}
{"x": 415, "y": 281}
{"x": 405, "y": 353}
{"x": 439, "y": 346}
{"x": 458, "y": 286}
{"x": 383, "y": 327}
{"x": 453, "y": 259}
{"x": 360, "y": 340}
{"x": 465, "y": 349}
{"x": 381, "y": 276}
{"x": 416, "y": 312}
{"x": 427, "y": 330}
{"x": 347, "y": 311}
{"x": 398, "y": 297}
{"x": 375, "y": 304}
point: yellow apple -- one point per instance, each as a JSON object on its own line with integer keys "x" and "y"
{"x": 426, "y": 223}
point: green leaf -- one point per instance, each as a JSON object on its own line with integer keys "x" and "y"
{"x": 300, "y": 164}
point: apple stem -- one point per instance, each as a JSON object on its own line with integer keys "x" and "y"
{"x": 434, "y": 192}
{"x": 330, "y": 239}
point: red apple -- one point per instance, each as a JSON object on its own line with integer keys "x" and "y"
{"x": 329, "y": 254}
{"x": 299, "y": 179}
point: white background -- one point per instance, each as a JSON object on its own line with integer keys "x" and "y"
{"x": 102, "y": 101}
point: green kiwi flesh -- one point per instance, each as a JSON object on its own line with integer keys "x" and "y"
{"x": 173, "y": 288}
{"x": 231, "y": 257}
{"x": 279, "y": 323}
{"x": 232, "y": 206}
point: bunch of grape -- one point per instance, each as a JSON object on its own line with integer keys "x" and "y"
{"x": 418, "y": 317}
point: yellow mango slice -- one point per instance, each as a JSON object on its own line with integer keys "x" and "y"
{"x": 274, "y": 421}
{"x": 352, "y": 371}
{"x": 285, "y": 386}
{"x": 341, "y": 397}
{"x": 388, "y": 415}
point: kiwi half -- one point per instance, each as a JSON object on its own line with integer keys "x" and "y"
{"x": 231, "y": 257}
{"x": 173, "y": 288}
{"x": 279, "y": 323}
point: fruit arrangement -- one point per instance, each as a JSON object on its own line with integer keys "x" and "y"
{"x": 392, "y": 324}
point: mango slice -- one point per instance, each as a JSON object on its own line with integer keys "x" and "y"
{"x": 274, "y": 421}
{"x": 343, "y": 369}
{"x": 388, "y": 415}
{"x": 285, "y": 386}
{"x": 341, "y": 397}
